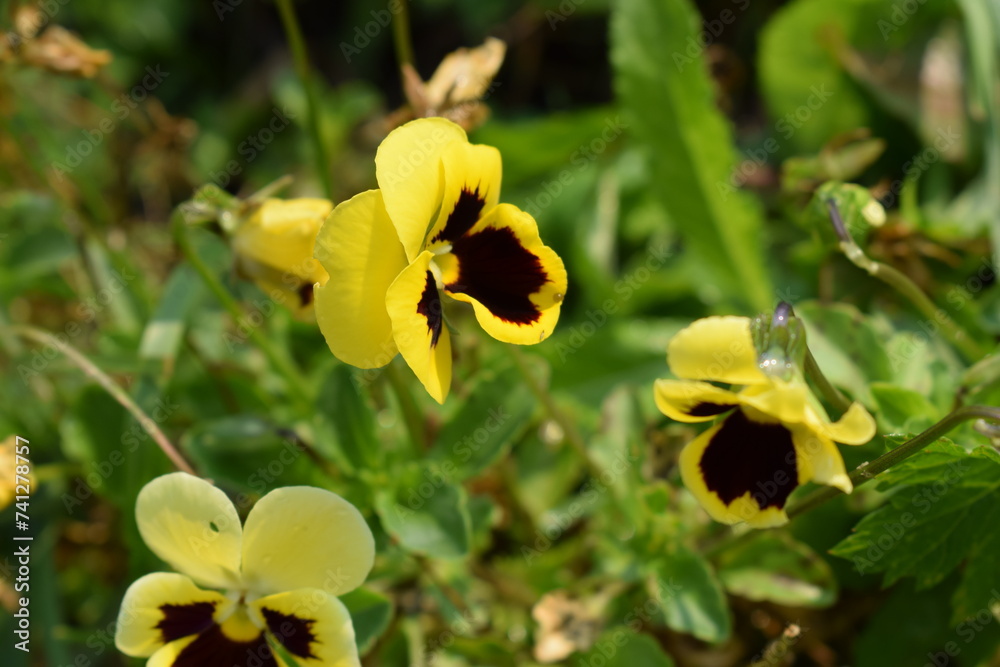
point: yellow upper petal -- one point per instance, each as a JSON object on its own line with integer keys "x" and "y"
{"x": 418, "y": 326}
{"x": 471, "y": 188}
{"x": 193, "y": 526}
{"x": 304, "y": 537}
{"x": 280, "y": 234}
{"x": 161, "y": 608}
{"x": 359, "y": 249}
{"x": 312, "y": 625}
{"x": 691, "y": 401}
{"x": 409, "y": 173}
{"x": 716, "y": 348}
{"x": 515, "y": 283}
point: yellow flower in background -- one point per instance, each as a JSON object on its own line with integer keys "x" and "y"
{"x": 434, "y": 225}
{"x": 279, "y": 576}
{"x": 274, "y": 248}
{"x": 8, "y": 472}
{"x": 773, "y": 438}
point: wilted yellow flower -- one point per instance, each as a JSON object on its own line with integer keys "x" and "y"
{"x": 274, "y": 248}
{"x": 434, "y": 225}
{"x": 774, "y": 436}
{"x": 279, "y": 576}
{"x": 8, "y": 472}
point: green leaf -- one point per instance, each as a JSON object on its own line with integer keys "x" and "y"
{"x": 670, "y": 107}
{"x": 943, "y": 510}
{"x": 425, "y": 512}
{"x": 778, "y": 569}
{"x": 691, "y": 596}
{"x": 488, "y": 423}
{"x": 621, "y": 647}
{"x": 370, "y": 614}
{"x": 163, "y": 335}
{"x": 901, "y": 409}
{"x": 353, "y": 418}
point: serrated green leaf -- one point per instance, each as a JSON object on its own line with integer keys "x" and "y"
{"x": 943, "y": 511}
{"x": 426, "y": 512}
{"x": 901, "y": 409}
{"x": 670, "y": 107}
{"x": 691, "y": 596}
{"x": 778, "y": 569}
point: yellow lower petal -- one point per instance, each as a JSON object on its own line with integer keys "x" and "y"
{"x": 312, "y": 625}
{"x": 515, "y": 283}
{"x": 716, "y": 348}
{"x": 161, "y": 608}
{"x": 418, "y": 326}
{"x": 691, "y": 401}
{"x": 193, "y": 526}
{"x": 359, "y": 249}
{"x": 301, "y": 536}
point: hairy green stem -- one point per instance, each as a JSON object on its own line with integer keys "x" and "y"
{"x": 901, "y": 453}
{"x": 830, "y": 393}
{"x": 116, "y": 392}
{"x": 902, "y": 284}
{"x": 294, "y": 34}
{"x": 296, "y": 383}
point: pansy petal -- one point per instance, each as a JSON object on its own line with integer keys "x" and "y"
{"x": 281, "y": 233}
{"x": 855, "y": 427}
{"x": 471, "y": 188}
{"x": 418, "y": 326}
{"x": 359, "y": 248}
{"x": 236, "y": 642}
{"x": 408, "y": 170}
{"x": 742, "y": 470}
{"x": 161, "y": 608}
{"x": 193, "y": 526}
{"x": 820, "y": 460}
{"x": 515, "y": 283}
{"x": 778, "y": 399}
{"x": 304, "y": 537}
{"x": 716, "y": 348}
{"x": 691, "y": 401}
{"x": 312, "y": 625}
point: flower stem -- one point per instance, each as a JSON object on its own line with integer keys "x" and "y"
{"x": 408, "y": 406}
{"x": 296, "y": 383}
{"x": 830, "y": 393}
{"x": 401, "y": 35}
{"x": 572, "y": 435}
{"x": 297, "y": 44}
{"x": 907, "y": 449}
{"x": 902, "y": 284}
{"x": 99, "y": 376}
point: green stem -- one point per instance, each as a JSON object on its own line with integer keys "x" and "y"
{"x": 401, "y": 36}
{"x": 830, "y": 393}
{"x": 902, "y": 284}
{"x": 99, "y": 376}
{"x": 408, "y": 406}
{"x": 297, "y": 44}
{"x": 570, "y": 432}
{"x": 296, "y": 383}
{"x": 901, "y": 453}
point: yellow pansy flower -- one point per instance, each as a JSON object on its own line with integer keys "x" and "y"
{"x": 274, "y": 579}
{"x": 774, "y": 437}
{"x": 434, "y": 225}
{"x": 8, "y": 472}
{"x": 274, "y": 248}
